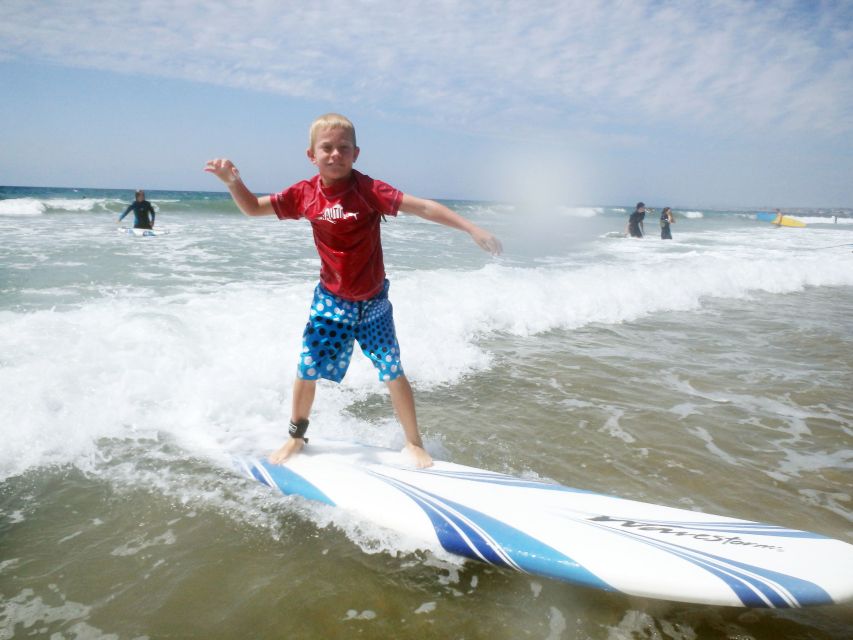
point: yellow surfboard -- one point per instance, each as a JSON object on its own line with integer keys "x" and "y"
{"x": 787, "y": 221}
{"x": 790, "y": 222}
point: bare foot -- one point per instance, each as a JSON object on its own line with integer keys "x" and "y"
{"x": 419, "y": 456}
{"x": 289, "y": 448}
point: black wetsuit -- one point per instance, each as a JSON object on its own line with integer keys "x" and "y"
{"x": 665, "y": 233}
{"x": 141, "y": 210}
{"x": 634, "y": 224}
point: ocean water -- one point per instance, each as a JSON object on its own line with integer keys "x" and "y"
{"x": 711, "y": 372}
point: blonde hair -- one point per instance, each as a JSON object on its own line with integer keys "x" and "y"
{"x": 330, "y": 121}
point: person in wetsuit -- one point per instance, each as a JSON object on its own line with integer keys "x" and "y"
{"x": 635, "y": 221}
{"x": 666, "y": 218}
{"x": 143, "y": 212}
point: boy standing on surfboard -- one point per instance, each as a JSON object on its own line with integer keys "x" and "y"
{"x": 351, "y": 302}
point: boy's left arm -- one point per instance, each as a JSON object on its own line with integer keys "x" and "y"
{"x": 436, "y": 212}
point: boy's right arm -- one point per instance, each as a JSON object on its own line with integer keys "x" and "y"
{"x": 249, "y": 203}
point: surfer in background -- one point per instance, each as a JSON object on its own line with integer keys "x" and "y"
{"x": 635, "y": 221}
{"x": 351, "y": 302}
{"x": 143, "y": 212}
{"x": 778, "y": 220}
{"x": 666, "y": 219}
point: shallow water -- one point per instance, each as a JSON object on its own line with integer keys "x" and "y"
{"x": 710, "y": 373}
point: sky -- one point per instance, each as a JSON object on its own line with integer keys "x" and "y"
{"x": 715, "y": 103}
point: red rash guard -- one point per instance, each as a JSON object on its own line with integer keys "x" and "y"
{"x": 345, "y": 220}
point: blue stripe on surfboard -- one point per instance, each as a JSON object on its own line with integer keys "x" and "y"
{"x": 765, "y": 216}
{"x": 457, "y": 533}
{"x": 498, "y": 479}
{"x": 752, "y": 590}
{"x": 732, "y": 526}
{"x": 764, "y": 588}
{"x": 467, "y": 532}
{"x": 287, "y": 481}
{"x": 781, "y": 589}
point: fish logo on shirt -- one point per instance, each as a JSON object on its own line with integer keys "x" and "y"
{"x": 335, "y": 213}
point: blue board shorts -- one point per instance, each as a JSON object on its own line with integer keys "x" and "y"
{"x": 333, "y": 327}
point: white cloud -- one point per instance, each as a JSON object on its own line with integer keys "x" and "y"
{"x": 497, "y": 66}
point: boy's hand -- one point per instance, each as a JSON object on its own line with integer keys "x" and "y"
{"x": 487, "y": 241}
{"x": 223, "y": 169}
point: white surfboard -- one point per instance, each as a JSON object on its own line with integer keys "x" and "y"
{"x": 143, "y": 233}
{"x": 569, "y": 534}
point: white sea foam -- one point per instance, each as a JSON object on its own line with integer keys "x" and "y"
{"x": 693, "y": 214}
{"x": 26, "y": 610}
{"x": 75, "y": 204}
{"x": 426, "y": 607}
{"x": 195, "y": 364}
{"x": 822, "y": 220}
{"x": 22, "y": 207}
{"x": 35, "y": 206}
{"x": 581, "y": 212}
{"x": 133, "y": 547}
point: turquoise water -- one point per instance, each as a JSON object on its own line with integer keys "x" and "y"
{"x": 711, "y": 372}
